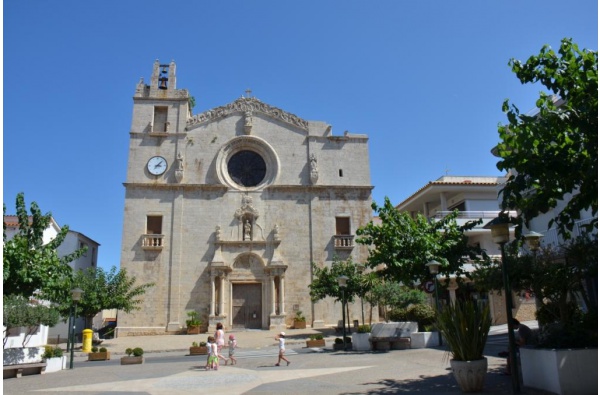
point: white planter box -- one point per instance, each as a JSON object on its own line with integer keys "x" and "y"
{"x": 56, "y": 364}
{"x": 424, "y": 339}
{"x": 564, "y": 372}
{"x": 13, "y": 356}
{"x": 360, "y": 341}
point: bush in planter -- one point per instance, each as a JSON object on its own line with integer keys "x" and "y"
{"x": 338, "y": 340}
{"x": 52, "y": 352}
{"x": 465, "y": 327}
{"x": 193, "y": 322}
{"x": 103, "y": 349}
{"x": 138, "y": 352}
{"x": 299, "y": 317}
{"x": 421, "y": 313}
{"x": 94, "y": 349}
{"x": 194, "y": 344}
{"x": 317, "y": 336}
{"x": 364, "y": 329}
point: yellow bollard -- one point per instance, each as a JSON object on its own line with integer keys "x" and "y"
{"x": 87, "y": 340}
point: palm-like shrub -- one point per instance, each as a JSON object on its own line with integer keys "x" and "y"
{"x": 465, "y": 327}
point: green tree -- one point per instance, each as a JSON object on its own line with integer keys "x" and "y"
{"x": 105, "y": 290}
{"x": 404, "y": 244}
{"x": 21, "y": 312}
{"x": 553, "y": 152}
{"x": 562, "y": 280}
{"x": 29, "y": 265}
{"x": 325, "y": 281}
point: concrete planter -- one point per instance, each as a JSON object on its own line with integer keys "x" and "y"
{"x": 299, "y": 324}
{"x": 424, "y": 339}
{"x": 470, "y": 375}
{"x": 315, "y": 343}
{"x": 132, "y": 360}
{"x": 55, "y": 364}
{"x": 13, "y": 356}
{"x": 563, "y": 372}
{"x": 193, "y": 330}
{"x": 199, "y": 350}
{"x": 99, "y": 356}
{"x": 360, "y": 341}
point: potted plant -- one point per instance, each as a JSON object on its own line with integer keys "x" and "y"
{"x": 101, "y": 354}
{"x": 198, "y": 348}
{"x": 360, "y": 339}
{"x": 315, "y": 340}
{"x": 54, "y": 358}
{"x": 465, "y": 327}
{"x": 299, "y": 320}
{"x": 193, "y": 323}
{"x": 134, "y": 356}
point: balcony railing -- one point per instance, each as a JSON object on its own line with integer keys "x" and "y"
{"x": 551, "y": 236}
{"x": 472, "y": 214}
{"x": 152, "y": 242}
{"x": 343, "y": 241}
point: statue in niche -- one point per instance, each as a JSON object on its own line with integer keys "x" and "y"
{"x": 276, "y": 232}
{"x": 179, "y": 171}
{"x": 218, "y": 232}
{"x": 179, "y": 161}
{"x": 248, "y": 122}
{"x": 247, "y": 230}
{"x": 314, "y": 172}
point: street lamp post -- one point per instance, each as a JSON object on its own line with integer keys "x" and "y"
{"x": 76, "y": 296}
{"x": 342, "y": 283}
{"x": 434, "y": 269}
{"x": 500, "y": 236}
{"x": 533, "y": 242}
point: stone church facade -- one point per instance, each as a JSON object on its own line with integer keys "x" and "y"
{"x": 226, "y": 209}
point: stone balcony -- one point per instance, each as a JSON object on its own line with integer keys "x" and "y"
{"x": 152, "y": 242}
{"x": 343, "y": 242}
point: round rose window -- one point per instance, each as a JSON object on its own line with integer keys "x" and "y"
{"x": 247, "y": 168}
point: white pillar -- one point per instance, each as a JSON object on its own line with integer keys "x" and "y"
{"x": 221, "y": 295}
{"x": 273, "y": 296}
{"x": 282, "y": 295}
{"x": 443, "y": 202}
{"x": 452, "y": 290}
{"x": 212, "y": 295}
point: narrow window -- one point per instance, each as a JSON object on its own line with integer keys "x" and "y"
{"x": 154, "y": 225}
{"x": 160, "y": 119}
{"x": 341, "y": 173}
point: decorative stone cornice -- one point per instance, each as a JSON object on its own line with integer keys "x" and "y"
{"x": 246, "y": 105}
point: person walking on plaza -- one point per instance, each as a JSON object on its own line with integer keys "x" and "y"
{"x": 281, "y": 339}
{"x": 220, "y": 340}
{"x": 232, "y": 346}
{"x": 212, "y": 361}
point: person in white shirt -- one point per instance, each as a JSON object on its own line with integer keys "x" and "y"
{"x": 281, "y": 339}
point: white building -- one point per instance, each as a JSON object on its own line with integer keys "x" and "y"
{"x": 72, "y": 242}
{"x": 475, "y": 197}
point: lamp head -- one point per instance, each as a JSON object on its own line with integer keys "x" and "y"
{"x": 76, "y": 294}
{"x": 342, "y": 281}
{"x": 533, "y": 240}
{"x": 434, "y": 266}
{"x": 499, "y": 228}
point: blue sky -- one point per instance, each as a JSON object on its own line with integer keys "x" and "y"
{"x": 424, "y": 79}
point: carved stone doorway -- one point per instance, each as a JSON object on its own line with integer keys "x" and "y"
{"x": 247, "y": 306}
